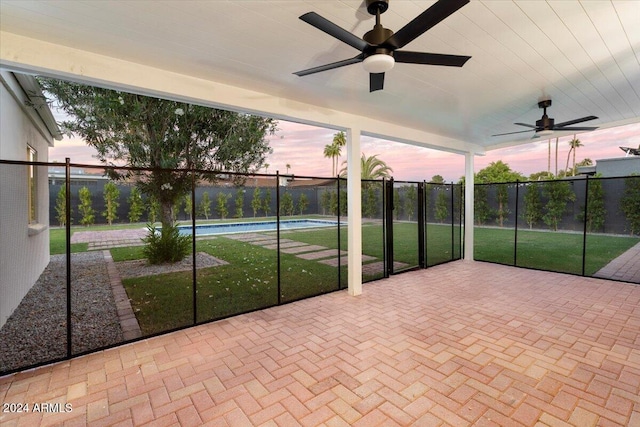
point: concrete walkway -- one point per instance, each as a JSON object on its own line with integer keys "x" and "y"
{"x": 106, "y": 239}
{"x": 626, "y": 267}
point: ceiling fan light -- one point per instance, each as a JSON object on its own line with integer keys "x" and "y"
{"x": 544, "y": 132}
{"x": 378, "y": 63}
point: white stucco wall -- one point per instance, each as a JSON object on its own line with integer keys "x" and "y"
{"x": 24, "y": 250}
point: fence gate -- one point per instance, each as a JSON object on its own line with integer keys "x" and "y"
{"x": 404, "y": 226}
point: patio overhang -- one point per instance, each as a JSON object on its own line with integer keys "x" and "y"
{"x": 578, "y": 53}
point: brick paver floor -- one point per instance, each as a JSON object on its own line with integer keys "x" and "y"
{"x": 465, "y": 343}
{"x": 625, "y": 267}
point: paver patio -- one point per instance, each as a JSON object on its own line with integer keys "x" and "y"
{"x": 466, "y": 343}
{"x": 625, "y": 267}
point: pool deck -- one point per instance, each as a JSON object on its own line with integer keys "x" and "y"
{"x": 626, "y": 267}
{"x": 467, "y": 343}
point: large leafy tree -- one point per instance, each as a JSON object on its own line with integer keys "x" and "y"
{"x": 138, "y": 131}
{"x": 497, "y": 173}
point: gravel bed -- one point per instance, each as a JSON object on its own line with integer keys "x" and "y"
{"x": 140, "y": 268}
{"x": 36, "y": 331}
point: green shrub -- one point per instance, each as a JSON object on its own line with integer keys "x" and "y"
{"x": 630, "y": 203}
{"x": 87, "y": 214}
{"x": 167, "y": 245}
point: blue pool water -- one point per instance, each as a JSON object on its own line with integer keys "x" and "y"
{"x": 245, "y": 227}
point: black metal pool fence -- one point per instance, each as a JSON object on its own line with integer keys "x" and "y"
{"x": 74, "y": 279}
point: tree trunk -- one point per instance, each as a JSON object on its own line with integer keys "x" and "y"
{"x": 166, "y": 212}
{"x": 566, "y": 168}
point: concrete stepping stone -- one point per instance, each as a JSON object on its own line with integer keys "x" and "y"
{"x": 249, "y": 237}
{"x": 343, "y": 260}
{"x": 263, "y": 242}
{"x": 322, "y": 254}
{"x": 301, "y": 249}
{"x": 289, "y": 244}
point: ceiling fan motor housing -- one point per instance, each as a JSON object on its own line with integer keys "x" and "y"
{"x": 545, "y": 122}
{"x": 373, "y": 6}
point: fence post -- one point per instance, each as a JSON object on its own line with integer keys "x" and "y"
{"x": 584, "y": 231}
{"x": 453, "y": 230}
{"x": 422, "y": 255}
{"x": 67, "y": 208}
{"x": 338, "y": 213}
{"x": 515, "y": 234}
{"x": 193, "y": 246}
{"x": 389, "y": 225}
{"x": 278, "y": 234}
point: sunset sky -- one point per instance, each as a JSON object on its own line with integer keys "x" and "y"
{"x": 301, "y": 146}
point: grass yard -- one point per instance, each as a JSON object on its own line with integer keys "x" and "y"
{"x": 552, "y": 251}
{"x": 405, "y": 243}
{"x": 247, "y": 283}
{"x": 250, "y": 280}
{"x": 58, "y": 242}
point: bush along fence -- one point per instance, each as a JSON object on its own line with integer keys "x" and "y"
{"x": 579, "y": 226}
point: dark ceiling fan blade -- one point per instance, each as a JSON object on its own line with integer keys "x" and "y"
{"x": 426, "y": 20}
{"x": 575, "y": 128}
{"x": 573, "y": 122}
{"x": 511, "y": 133}
{"x": 409, "y": 57}
{"x": 331, "y": 66}
{"x": 525, "y": 124}
{"x": 376, "y": 81}
{"x": 334, "y": 30}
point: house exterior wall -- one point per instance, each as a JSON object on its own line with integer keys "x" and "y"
{"x": 621, "y": 166}
{"x": 24, "y": 247}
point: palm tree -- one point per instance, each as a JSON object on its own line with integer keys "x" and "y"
{"x": 288, "y": 166}
{"x": 339, "y": 140}
{"x": 371, "y": 168}
{"x": 332, "y": 151}
{"x": 574, "y": 143}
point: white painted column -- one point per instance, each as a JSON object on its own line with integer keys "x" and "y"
{"x": 354, "y": 211}
{"x": 468, "y": 206}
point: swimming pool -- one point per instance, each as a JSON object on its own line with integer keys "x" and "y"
{"x": 245, "y": 227}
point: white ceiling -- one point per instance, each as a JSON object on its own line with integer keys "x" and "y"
{"x": 584, "y": 55}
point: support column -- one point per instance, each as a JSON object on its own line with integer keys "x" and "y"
{"x": 354, "y": 210}
{"x": 468, "y": 206}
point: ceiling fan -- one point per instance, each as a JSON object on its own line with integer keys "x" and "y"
{"x": 379, "y": 47}
{"x": 545, "y": 126}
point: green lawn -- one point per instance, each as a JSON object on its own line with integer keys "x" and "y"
{"x": 405, "y": 243}
{"x": 546, "y": 250}
{"x": 250, "y": 282}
